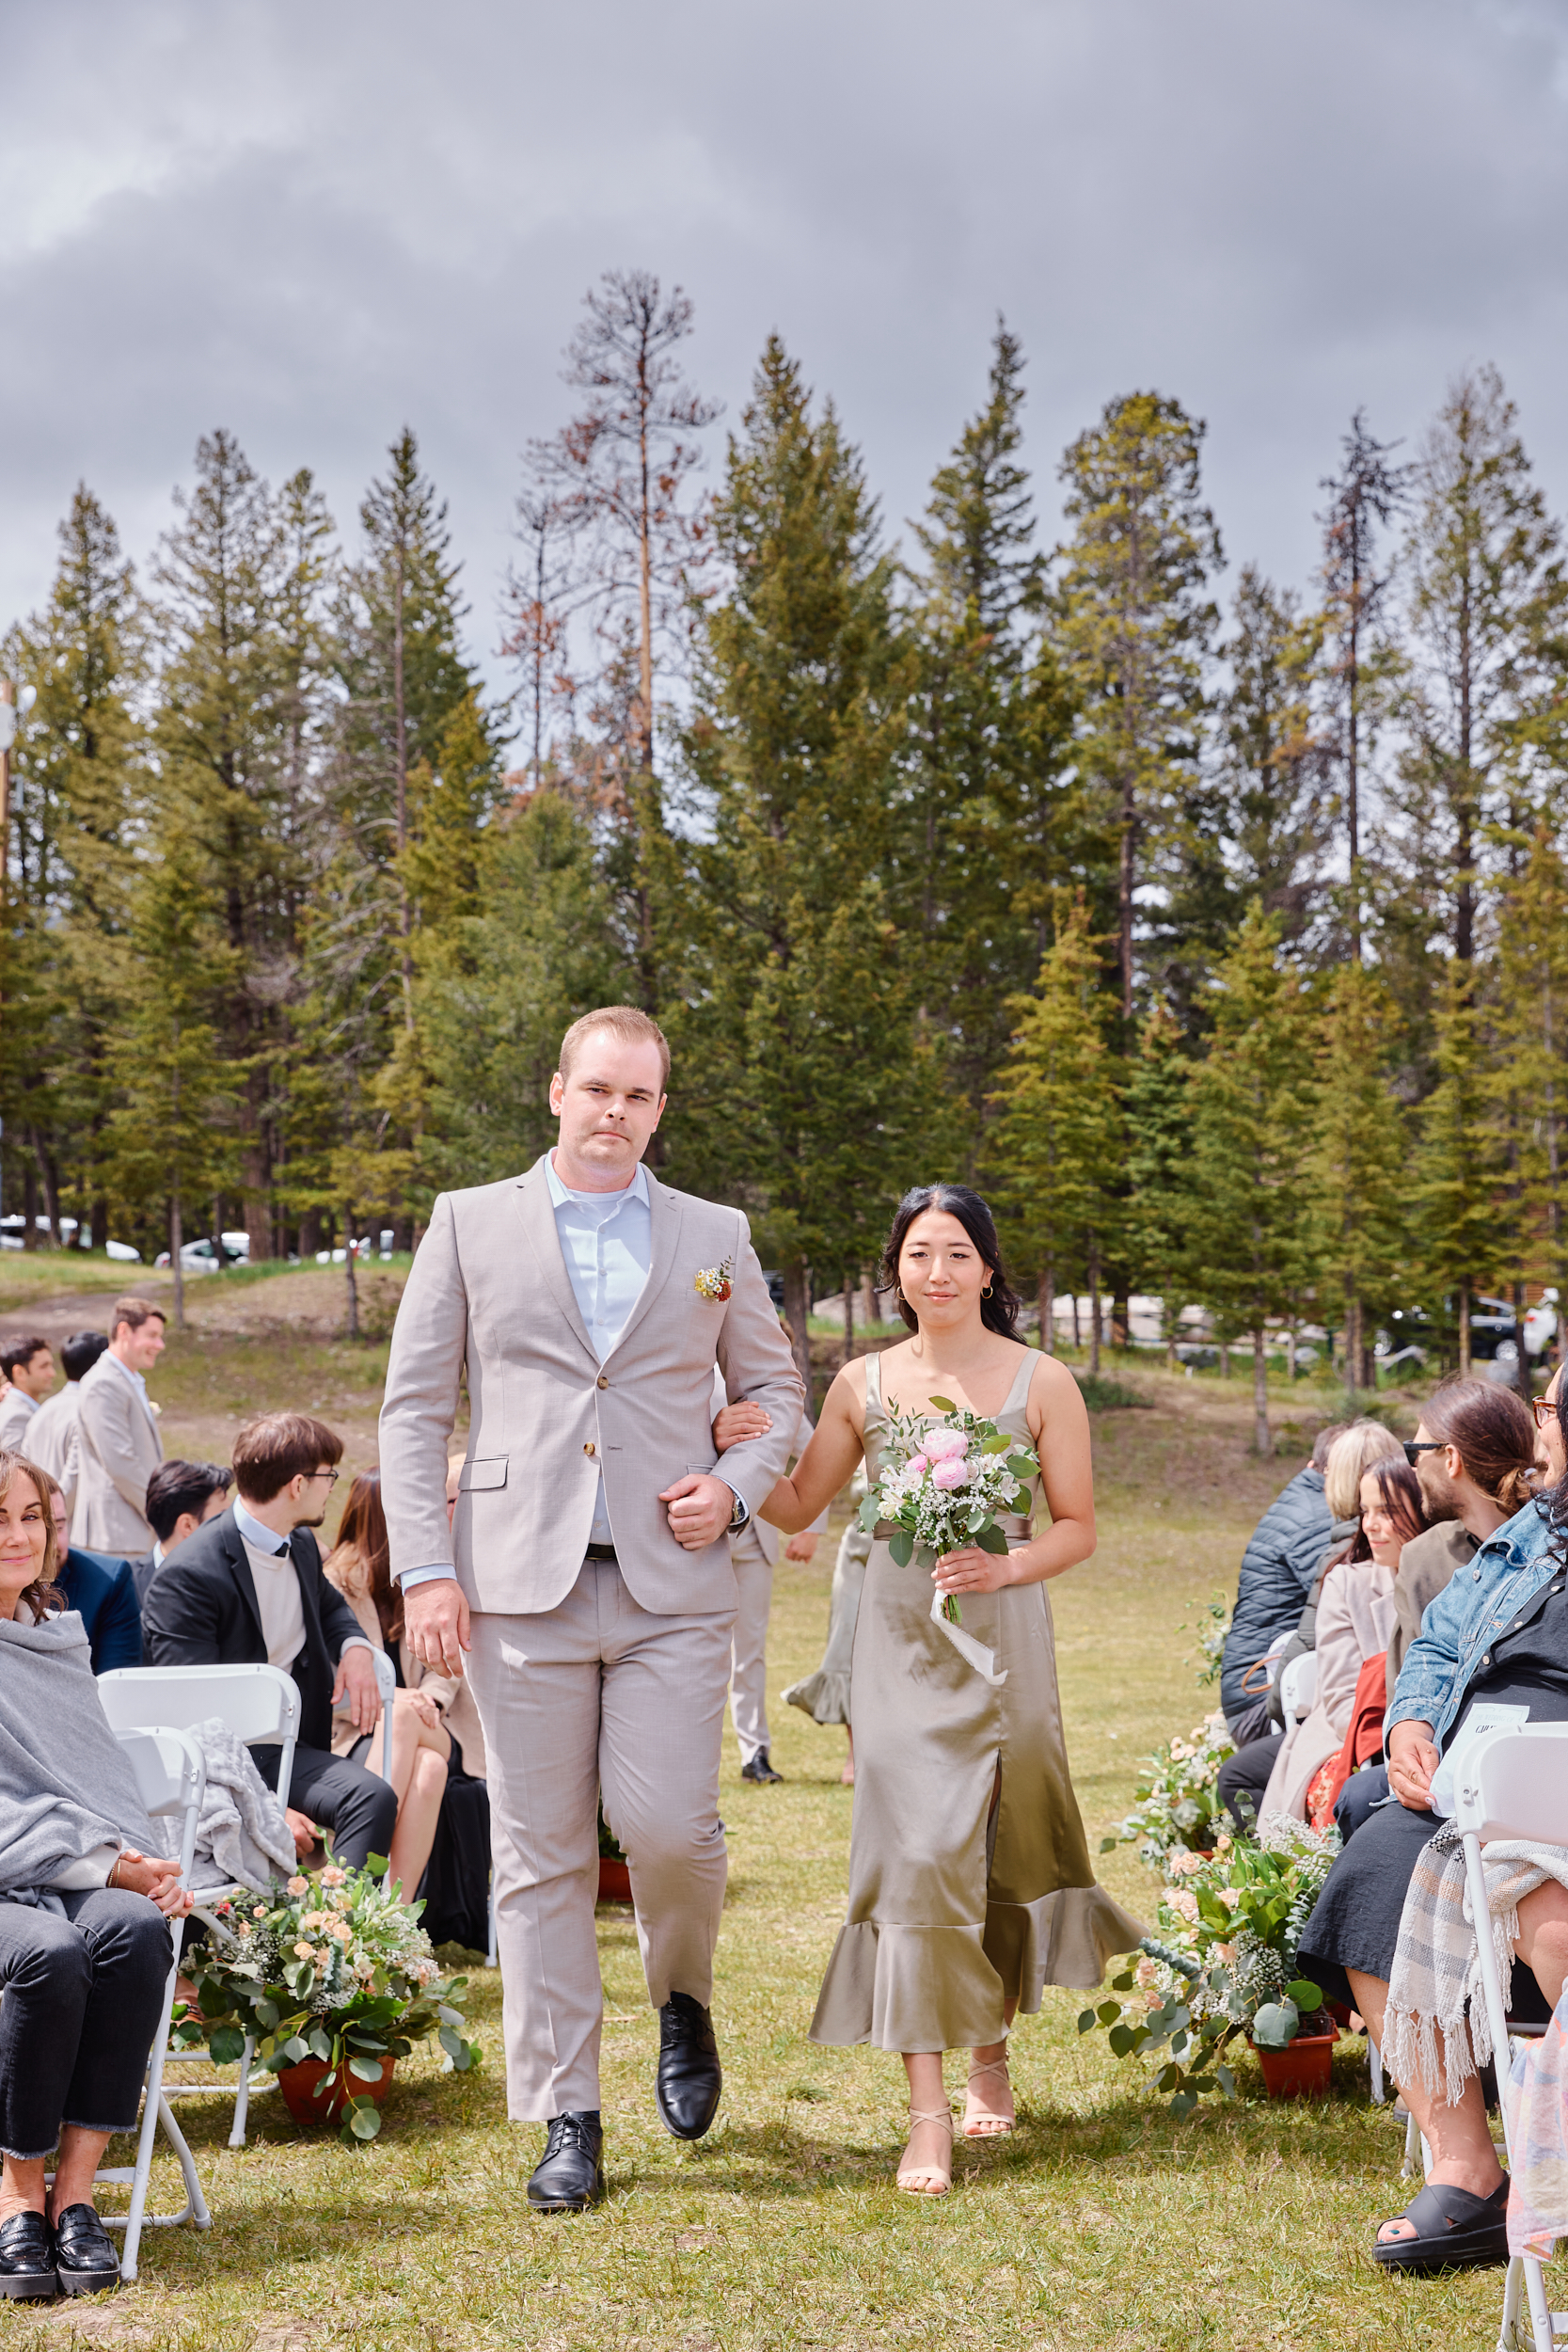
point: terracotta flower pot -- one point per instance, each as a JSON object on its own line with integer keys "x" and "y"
{"x": 614, "y": 1881}
{"x": 299, "y": 2086}
{"x": 1302, "y": 2070}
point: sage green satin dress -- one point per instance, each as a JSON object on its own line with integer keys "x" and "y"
{"x": 955, "y": 1908}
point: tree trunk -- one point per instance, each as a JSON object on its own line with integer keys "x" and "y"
{"x": 849, "y": 1319}
{"x": 1077, "y": 1332}
{"x": 176, "y": 1243}
{"x": 1094, "y": 1307}
{"x": 1048, "y": 1308}
{"x": 348, "y": 1269}
{"x": 1464, "y": 1330}
{"x": 100, "y": 1230}
{"x": 29, "y": 1202}
{"x": 1521, "y": 1369}
{"x": 1290, "y": 1354}
{"x": 309, "y": 1234}
{"x": 1224, "y": 1359}
{"x": 797, "y": 1308}
{"x": 1262, "y": 1444}
{"x": 1121, "y": 1317}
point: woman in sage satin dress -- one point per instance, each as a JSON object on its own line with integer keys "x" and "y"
{"x": 970, "y": 1882}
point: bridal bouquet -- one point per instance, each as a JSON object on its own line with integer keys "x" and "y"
{"x": 945, "y": 1483}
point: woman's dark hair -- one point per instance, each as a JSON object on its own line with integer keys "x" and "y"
{"x": 363, "y": 1532}
{"x": 1401, "y": 1490}
{"x": 41, "y": 1596}
{"x": 999, "y": 1313}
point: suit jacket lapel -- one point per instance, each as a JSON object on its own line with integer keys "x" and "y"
{"x": 665, "y": 1221}
{"x": 239, "y": 1568}
{"x": 537, "y": 1212}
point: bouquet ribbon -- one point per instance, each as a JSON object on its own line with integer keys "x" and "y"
{"x": 976, "y": 1653}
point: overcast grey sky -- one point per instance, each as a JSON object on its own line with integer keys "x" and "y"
{"x": 311, "y": 223}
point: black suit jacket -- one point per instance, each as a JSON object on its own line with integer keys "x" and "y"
{"x": 201, "y": 1611}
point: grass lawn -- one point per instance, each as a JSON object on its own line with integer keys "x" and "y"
{"x": 1099, "y": 2224}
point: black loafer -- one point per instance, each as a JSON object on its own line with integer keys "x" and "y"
{"x": 569, "y": 2176}
{"x": 85, "y": 2261}
{"x": 1454, "y": 2231}
{"x": 760, "y": 1769}
{"x": 689, "y": 2079}
{"x": 27, "y": 2257}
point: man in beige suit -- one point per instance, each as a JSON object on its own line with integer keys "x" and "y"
{"x": 586, "y": 1572}
{"x": 118, "y": 1443}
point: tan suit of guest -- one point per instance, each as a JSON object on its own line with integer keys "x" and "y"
{"x": 589, "y": 1672}
{"x": 55, "y": 1441}
{"x": 119, "y": 1450}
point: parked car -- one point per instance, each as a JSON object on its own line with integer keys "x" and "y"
{"x": 1495, "y": 1336}
{"x": 201, "y": 1257}
{"x": 13, "y": 1234}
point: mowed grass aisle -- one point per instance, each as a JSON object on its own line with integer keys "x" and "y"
{"x": 1101, "y": 2224}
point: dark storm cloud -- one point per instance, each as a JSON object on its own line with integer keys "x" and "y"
{"x": 312, "y": 223}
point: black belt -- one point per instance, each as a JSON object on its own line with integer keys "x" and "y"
{"x": 600, "y": 1551}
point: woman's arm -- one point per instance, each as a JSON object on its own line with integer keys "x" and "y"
{"x": 1059, "y": 1423}
{"x": 827, "y": 1462}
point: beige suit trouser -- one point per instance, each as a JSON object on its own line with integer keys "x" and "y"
{"x": 753, "y": 1576}
{"x": 598, "y": 1693}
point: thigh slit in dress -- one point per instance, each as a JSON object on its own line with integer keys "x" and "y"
{"x": 956, "y": 1907}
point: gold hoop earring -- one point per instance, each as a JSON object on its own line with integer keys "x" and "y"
{"x": 986, "y": 1293}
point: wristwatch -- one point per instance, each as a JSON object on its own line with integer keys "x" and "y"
{"x": 740, "y": 1515}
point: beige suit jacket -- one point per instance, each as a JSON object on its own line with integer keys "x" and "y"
{"x": 55, "y": 1441}
{"x": 120, "y": 1449}
{"x": 489, "y": 1292}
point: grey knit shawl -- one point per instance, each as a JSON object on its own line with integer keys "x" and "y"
{"x": 65, "y": 1786}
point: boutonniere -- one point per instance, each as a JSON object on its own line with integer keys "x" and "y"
{"x": 713, "y": 1282}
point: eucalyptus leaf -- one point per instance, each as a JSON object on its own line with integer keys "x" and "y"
{"x": 321, "y": 2044}
{"x": 991, "y": 1539}
{"x": 945, "y": 1405}
{"x": 365, "y": 2070}
{"x": 901, "y": 1546}
{"x": 1086, "y": 2021}
{"x": 227, "y": 2045}
{"x": 1183, "y": 2104}
{"x": 365, "y": 2121}
{"x": 1275, "y": 2025}
{"x": 1306, "y": 1995}
{"x": 998, "y": 1444}
{"x": 1122, "y": 2040}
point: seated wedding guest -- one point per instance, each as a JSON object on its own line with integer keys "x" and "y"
{"x": 54, "y": 1437}
{"x": 84, "y": 1948}
{"x": 247, "y": 1589}
{"x": 1283, "y": 1554}
{"x": 1244, "y": 1776}
{"x": 181, "y": 1497}
{"x": 434, "y": 1724}
{"x": 1355, "y": 1615}
{"x": 1498, "y": 1634}
{"x": 1474, "y": 1452}
{"x": 28, "y": 1364}
{"x": 99, "y": 1588}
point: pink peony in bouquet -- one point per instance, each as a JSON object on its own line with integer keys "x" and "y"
{"x": 945, "y": 1483}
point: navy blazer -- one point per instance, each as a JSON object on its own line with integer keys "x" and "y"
{"x": 201, "y": 1611}
{"x": 102, "y": 1591}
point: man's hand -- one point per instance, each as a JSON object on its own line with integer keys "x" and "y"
{"x": 155, "y": 1878}
{"x": 356, "y": 1677}
{"x": 801, "y": 1547}
{"x": 1412, "y": 1761}
{"x": 735, "y": 1423}
{"x": 701, "y": 1508}
{"x": 304, "y": 1832}
{"x": 436, "y": 1619}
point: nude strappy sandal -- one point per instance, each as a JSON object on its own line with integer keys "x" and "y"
{"x": 929, "y": 2180}
{"x": 980, "y": 2122}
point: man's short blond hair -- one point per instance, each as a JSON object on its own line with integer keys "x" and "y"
{"x": 625, "y": 1021}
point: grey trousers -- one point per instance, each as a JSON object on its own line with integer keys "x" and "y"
{"x": 597, "y": 1695}
{"x": 753, "y": 1574}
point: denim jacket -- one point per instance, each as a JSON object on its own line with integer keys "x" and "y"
{"x": 1454, "y": 1642}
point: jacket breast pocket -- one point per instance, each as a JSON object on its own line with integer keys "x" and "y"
{"x": 488, "y": 1470}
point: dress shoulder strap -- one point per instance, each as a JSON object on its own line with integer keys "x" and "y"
{"x": 874, "y": 1385}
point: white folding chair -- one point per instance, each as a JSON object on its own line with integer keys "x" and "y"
{"x": 1511, "y": 1784}
{"x": 171, "y": 1779}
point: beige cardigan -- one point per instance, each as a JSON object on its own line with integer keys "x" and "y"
{"x": 452, "y": 1692}
{"x": 1356, "y": 1617}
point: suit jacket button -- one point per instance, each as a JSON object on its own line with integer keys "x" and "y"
{"x": 601, "y": 1382}
{"x": 589, "y": 1447}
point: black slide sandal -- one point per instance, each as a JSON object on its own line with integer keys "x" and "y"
{"x": 1454, "y": 2231}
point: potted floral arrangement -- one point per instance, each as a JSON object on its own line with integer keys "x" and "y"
{"x": 336, "y": 1980}
{"x": 1178, "y": 1809}
{"x": 1225, "y": 1967}
{"x": 614, "y": 1871}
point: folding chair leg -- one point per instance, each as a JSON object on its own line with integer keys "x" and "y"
{"x": 1374, "y": 2063}
{"x": 195, "y": 2202}
{"x": 490, "y": 1955}
{"x": 152, "y": 2099}
{"x": 242, "y": 2096}
{"x": 1412, "y": 2148}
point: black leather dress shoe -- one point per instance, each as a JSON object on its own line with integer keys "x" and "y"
{"x": 760, "y": 1768}
{"x": 569, "y": 2176}
{"x": 26, "y": 2257}
{"x": 689, "y": 2078}
{"x": 85, "y": 2261}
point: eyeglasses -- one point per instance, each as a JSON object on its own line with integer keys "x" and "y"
{"x": 331, "y": 1476}
{"x": 1416, "y": 1447}
{"x": 1544, "y": 1408}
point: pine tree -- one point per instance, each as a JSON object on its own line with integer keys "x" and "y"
{"x": 1361, "y": 1162}
{"x": 1457, "y": 1167}
{"x": 1530, "y": 1077}
{"x": 989, "y": 820}
{"x": 1246, "y": 1177}
{"x": 1273, "y": 762}
{"x": 797, "y": 1012}
{"x": 1133, "y": 622}
{"x": 1364, "y": 497}
{"x": 1060, "y": 1140}
{"x": 1159, "y": 1151}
